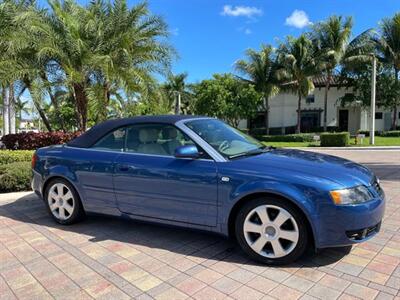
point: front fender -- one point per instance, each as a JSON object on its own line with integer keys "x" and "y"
{"x": 304, "y": 199}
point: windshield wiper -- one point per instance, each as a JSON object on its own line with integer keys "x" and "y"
{"x": 251, "y": 152}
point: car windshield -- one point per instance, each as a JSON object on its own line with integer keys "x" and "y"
{"x": 228, "y": 141}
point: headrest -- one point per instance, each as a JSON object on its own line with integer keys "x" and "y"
{"x": 133, "y": 134}
{"x": 148, "y": 135}
{"x": 169, "y": 133}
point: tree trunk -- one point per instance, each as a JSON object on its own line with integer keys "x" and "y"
{"x": 43, "y": 116}
{"x": 11, "y": 110}
{"x": 178, "y": 104}
{"x": 107, "y": 96}
{"x": 298, "y": 128}
{"x": 394, "y": 119}
{"x": 4, "y": 95}
{"x": 38, "y": 107}
{"x": 54, "y": 102}
{"x": 327, "y": 85}
{"x": 81, "y": 104}
{"x": 266, "y": 114}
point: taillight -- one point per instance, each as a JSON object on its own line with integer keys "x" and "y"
{"x": 34, "y": 160}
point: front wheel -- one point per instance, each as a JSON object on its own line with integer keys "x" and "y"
{"x": 271, "y": 231}
{"x": 63, "y": 202}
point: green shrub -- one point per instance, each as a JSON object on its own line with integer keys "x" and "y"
{"x": 15, "y": 177}
{"x": 394, "y": 133}
{"x": 339, "y": 139}
{"x": 10, "y": 156}
{"x": 301, "y": 137}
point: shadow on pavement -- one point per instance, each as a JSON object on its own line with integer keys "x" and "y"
{"x": 30, "y": 209}
{"x": 389, "y": 172}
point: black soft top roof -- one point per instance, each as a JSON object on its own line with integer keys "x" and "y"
{"x": 91, "y": 136}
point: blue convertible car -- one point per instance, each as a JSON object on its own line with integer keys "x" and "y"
{"x": 198, "y": 172}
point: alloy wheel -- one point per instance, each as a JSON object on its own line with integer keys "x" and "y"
{"x": 61, "y": 201}
{"x": 271, "y": 231}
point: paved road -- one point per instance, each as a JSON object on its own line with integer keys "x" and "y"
{"x": 109, "y": 258}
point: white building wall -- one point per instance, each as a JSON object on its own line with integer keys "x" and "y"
{"x": 283, "y": 111}
{"x": 283, "y": 107}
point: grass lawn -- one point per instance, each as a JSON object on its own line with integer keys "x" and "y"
{"x": 379, "y": 141}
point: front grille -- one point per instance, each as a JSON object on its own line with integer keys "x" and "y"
{"x": 360, "y": 234}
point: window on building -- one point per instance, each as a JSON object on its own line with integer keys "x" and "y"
{"x": 349, "y": 95}
{"x": 310, "y": 99}
{"x": 310, "y": 120}
{"x": 378, "y": 116}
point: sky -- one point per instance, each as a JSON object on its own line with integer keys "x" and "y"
{"x": 210, "y": 35}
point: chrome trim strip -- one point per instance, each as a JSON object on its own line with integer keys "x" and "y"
{"x": 202, "y": 143}
{"x": 133, "y": 153}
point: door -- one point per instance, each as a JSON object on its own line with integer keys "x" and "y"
{"x": 95, "y": 170}
{"x": 343, "y": 119}
{"x": 309, "y": 120}
{"x": 149, "y": 181}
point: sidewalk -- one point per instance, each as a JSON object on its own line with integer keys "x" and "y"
{"x": 110, "y": 258}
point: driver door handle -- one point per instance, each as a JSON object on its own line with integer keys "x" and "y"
{"x": 125, "y": 168}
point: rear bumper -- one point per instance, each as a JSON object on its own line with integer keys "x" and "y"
{"x": 350, "y": 224}
{"x": 37, "y": 183}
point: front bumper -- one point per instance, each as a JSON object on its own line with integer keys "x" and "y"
{"x": 349, "y": 224}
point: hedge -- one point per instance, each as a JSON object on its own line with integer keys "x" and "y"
{"x": 34, "y": 140}
{"x": 394, "y": 133}
{"x": 15, "y": 177}
{"x": 301, "y": 137}
{"x": 339, "y": 139}
{"x": 11, "y": 156}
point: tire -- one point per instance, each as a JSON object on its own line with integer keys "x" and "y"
{"x": 63, "y": 202}
{"x": 271, "y": 230}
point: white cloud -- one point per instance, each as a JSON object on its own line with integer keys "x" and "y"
{"x": 248, "y": 31}
{"x": 238, "y": 11}
{"x": 298, "y": 19}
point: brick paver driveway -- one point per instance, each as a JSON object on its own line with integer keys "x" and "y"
{"x": 116, "y": 259}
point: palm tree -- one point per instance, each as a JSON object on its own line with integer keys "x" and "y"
{"x": 388, "y": 52}
{"x": 330, "y": 39}
{"x": 260, "y": 70}
{"x": 21, "y": 64}
{"x": 104, "y": 47}
{"x": 298, "y": 68}
{"x": 8, "y": 10}
{"x": 128, "y": 48}
{"x": 177, "y": 92}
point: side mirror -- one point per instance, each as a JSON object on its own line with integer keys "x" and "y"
{"x": 187, "y": 151}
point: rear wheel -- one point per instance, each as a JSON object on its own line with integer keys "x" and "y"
{"x": 271, "y": 231}
{"x": 63, "y": 202}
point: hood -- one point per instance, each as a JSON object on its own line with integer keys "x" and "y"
{"x": 343, "y": 172}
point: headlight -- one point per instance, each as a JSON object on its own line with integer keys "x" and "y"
{"x": 358, "y": 194}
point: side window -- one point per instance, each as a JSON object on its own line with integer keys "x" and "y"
{"x": 146, "y": 139}
{"x": 113, "y": 141}
{"x": 157, "y": 139}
